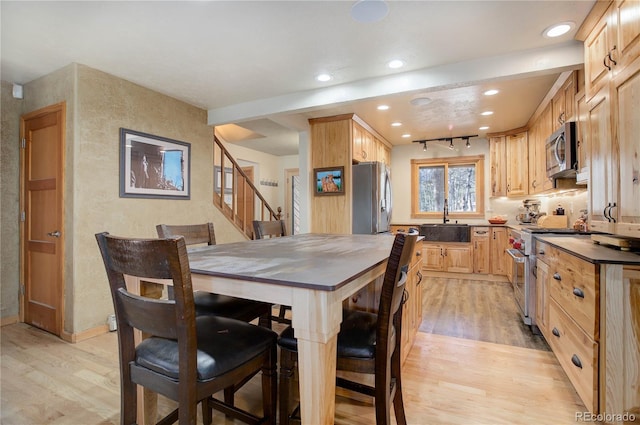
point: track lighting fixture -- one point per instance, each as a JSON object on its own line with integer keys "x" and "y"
{"x": 446, "y": 139}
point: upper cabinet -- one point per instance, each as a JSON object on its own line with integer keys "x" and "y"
{"x": 363, "y": 144}
{"x": 508, "y": 157}
{"x": 563, "y": 102}
{"x": 612, "y": 44}
{"x": 612, "y": 59}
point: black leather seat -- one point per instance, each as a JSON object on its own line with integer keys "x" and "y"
{"x": 185, "y": 358}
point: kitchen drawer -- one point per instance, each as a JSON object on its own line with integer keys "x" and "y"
{"x": 577, "y": 353}
{"x": 544, "y": 252}
{"x": 574, "y": 285}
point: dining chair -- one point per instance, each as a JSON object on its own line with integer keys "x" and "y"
{"x": 186, "y": 358}
{"x": 216, "y": 304}
{"x": 368, "y": 343}
{"x": 263, "y": 229}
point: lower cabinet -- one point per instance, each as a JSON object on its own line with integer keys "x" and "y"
{"x": 454, "y": 257}
{"x": 568, "y": 315}
{"x": 412, "y": 307}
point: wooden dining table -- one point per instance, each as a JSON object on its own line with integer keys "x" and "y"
{"x": 312, "y": 273}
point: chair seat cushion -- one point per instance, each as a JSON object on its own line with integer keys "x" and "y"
{"x": 223, "y": 305}
{"x": 236, "y": 342}
{"x": 357, "y": 337}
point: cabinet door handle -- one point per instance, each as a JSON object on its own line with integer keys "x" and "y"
{"x": 556, "y": 332}
{"x": 578, "y": 292}
{"x": 419, "y": 278}
{"x": 576, "y": 361}
{"x": 604, "y": 212}
{"x": 609, "y": 56}
{"x": 604, "y": 62}
{"x": 476, "y": 245}
{"x": 405, "y": 297}
{"x": 557, "y": 276}
{"x": 613, "y": 205}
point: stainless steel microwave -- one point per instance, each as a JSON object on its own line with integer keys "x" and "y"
{"x": 561, "y": 152}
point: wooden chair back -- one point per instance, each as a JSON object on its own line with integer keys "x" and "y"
{"x": 193, "y": 233}
{"x": 171, "y": 319}
{"x": 271, "y": 229}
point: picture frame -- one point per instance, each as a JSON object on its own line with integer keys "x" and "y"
{"x": 329, "y": 181}
{"x": 153, "y": 166}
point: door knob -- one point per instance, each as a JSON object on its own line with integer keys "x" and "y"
{"x": 55, "y": 234}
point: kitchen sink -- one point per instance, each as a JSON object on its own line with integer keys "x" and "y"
{"x": 441, "y": 232}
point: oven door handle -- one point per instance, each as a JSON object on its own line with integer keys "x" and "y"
{"x": 517, "y": 256}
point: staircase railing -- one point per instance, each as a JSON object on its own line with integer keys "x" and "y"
{"x": 235, "y": 194}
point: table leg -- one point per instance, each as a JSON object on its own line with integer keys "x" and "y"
{"x": 316, "y": 322}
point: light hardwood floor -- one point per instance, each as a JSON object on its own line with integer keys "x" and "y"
{"x": 447, "y": 380}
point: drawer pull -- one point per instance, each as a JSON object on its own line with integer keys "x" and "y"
{"x": 556, "y": 276}
{"x": 556, "y": 332}
{"x": 541, "y": 252}
{"x": 578, "y": 292}
{"x": 576, "y": 361}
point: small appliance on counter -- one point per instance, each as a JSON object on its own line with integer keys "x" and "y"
{"x": 553, "y": 221}
{"x": 531, "y": 212}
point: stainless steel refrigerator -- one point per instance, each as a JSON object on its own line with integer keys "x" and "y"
{"x": 371, "y": 188}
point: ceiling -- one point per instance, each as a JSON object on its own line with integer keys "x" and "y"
{"x": 252, "y": 64}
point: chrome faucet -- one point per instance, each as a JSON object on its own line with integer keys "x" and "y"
{"x": 445, "y": 219}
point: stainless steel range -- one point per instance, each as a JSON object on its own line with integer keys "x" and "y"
{"x": 523, "y": 253}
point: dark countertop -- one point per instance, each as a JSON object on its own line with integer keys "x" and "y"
{"x": 582, "y": 247}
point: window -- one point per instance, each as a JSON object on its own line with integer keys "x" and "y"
{"x": 459, "y": 181}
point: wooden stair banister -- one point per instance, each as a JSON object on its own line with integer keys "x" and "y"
{"x": 241, "y": 189}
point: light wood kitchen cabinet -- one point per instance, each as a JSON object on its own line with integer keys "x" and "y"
{"x": 612, "y": 65}
{"x": 563, "y": 102}
{"x": 498, "y": 164}
{"x": 542, "y": 296}
{"x": 412, "y": 308}
{"x": 517, "y": 164}
{"x": 363, "y": 144}
{"x": 383, "y": 152}
{"x": 508, "y": 158}
{"x": 498, "y": 246}
{"x": 582, "y": 138}
{"x": 481, "y": 245}
{"x": 621, "y": 339}
{"x": 454, "y": 257}
{"x": 568, "y": 314}
{"x": 612, "y": 45}
{"x": 540, "y": 130}
{"x": 614, "y": 159}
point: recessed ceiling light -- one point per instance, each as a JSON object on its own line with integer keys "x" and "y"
{"x": 396, "y": 124}
{"x": 491, "y": 92}
{"x": 395, "y": 64}
{"x": 484, "y": 128}
{"x": 420, "y": 101}
{"x": 558, "y": 29}
{"x": 383, "y": 107}
{"x": 406, "y": 135}
{"x": 323, "y": 77}
{"x": 369, "y": 11}
{"x": 485, "y": 113}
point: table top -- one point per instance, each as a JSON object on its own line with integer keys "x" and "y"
{"x": 316, "y": 261}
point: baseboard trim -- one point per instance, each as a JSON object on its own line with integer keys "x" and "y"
{"x": 9, "y": 320}
{"x": 81, "y": 336}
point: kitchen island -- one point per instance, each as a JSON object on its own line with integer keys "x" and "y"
{"x": 590, "y": 315}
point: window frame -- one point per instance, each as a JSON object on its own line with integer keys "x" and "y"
{"x": 476, "y": 160}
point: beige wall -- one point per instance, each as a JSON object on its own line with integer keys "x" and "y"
{"x": 9, "y": 202}
{"x": 98, "y": 105}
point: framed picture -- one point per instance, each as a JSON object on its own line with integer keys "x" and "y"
{"x": 217, "y": 179}
{"x": 154, "y": 166}
{"x": 329, "y": 181}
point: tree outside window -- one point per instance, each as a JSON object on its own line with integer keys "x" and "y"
{"x": 458, "y": 180}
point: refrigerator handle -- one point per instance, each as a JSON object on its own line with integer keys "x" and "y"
{"x": 387, "y": 195}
